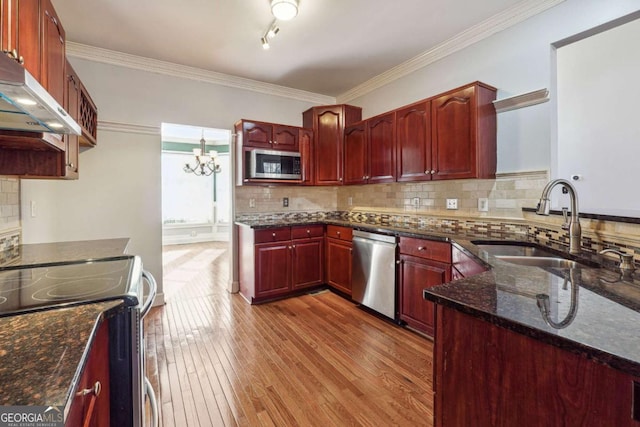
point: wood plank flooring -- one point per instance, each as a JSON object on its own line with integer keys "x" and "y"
{"x": 314, "y": 360}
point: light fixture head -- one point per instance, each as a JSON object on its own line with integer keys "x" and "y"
{"x": 284, "y": 10}
{"x": 273, "y": 31}
{"x": 265, "y": 43}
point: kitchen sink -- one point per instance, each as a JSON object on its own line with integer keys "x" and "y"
{"x": 529, "y": 255}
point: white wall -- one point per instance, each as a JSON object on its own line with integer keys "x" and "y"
{"x": 516, "y": 61}
{"x": 598, "y": 126}
{"x": 119, "y": 190}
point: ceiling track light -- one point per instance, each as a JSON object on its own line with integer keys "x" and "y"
{"x": 271, "y": 32}
{"x": 284, "y": 10}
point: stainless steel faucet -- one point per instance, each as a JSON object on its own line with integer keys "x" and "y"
{"x": 575, "y": 232}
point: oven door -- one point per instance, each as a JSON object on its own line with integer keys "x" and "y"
{"x": 272, "y": 164}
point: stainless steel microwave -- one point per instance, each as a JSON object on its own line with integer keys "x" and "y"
{"x": 272, "y": 164}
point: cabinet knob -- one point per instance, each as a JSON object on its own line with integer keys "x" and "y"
{"x": 308, "y": 231}
{"x": 364, "y": 177}
{"x": 432, "y": 172}
{"x": 340, "y": 179}
{"x": 70, "y": 165}
{"x": 96, "y": 389}
{"x": 275, "y": 142}
{"x": 427, "y": 172}
{"x": 338, "y": 233}
{"x": 294, "y": 246}
{"x": 421, "y": 248}
{"x": 273, "y": 234}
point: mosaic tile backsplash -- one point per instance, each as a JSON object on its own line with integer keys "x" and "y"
{"x": 9, "y": 203}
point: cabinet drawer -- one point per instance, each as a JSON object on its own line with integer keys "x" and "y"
{"x": 427, "y": 249}
{"x": 338, "y": 232}
{"x": 273, "y": 235}
{"x": 303, "y": 232}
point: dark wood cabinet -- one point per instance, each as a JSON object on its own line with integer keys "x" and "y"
{"x": 268, "y": 135}
{"x": 488, "y": 375}
{"x": 355, "y": 154}
{"x": 381, "y": 149}
{"x": 413, "y": 142}
{"x": 328, "y": 124}
{"x": 41, "y": 42}
{"x": 416, "y": 274}
{"x": 338, "y": 258}
{"x": 423, "y": 264}
{"x": 273, "y": 269}
{"x": 72, "y": 106}
{"x": 90, "y": 405}
{"x": 463, "y": 133}
{"x": 305, "y": 140}
{"x": 278, "y": 262}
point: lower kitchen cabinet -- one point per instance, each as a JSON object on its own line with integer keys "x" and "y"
{"x": 423, "y": 264}
{"x": 417, "y": 274}
{"x": 338, "y": 264}
{"x": 487, "y": 375}
{"x": 90, "y": 405}
{"x": 279, "y": 261}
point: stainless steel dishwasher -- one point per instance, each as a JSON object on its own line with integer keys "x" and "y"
{"x": 373, "y": 277}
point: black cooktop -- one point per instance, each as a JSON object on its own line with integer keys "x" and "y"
{"x": 52, "y": 285}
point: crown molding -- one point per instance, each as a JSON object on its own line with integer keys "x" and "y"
{"x": 508, "y": 18}
{"x": 128, "y": 128}
{"x": 106, "y": 56}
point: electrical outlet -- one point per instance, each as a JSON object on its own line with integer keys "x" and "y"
{"x": 452, "y": 203}
{"x": 285, "y": 202}
{"x": 252, "y": 203}
{"x": 483, "y": 204}
{"x": 416, "y": 201}
{"x": 350, "y": 201}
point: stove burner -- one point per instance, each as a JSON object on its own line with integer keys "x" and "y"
{"x": 78, "y": 289}
{"x": 2, "y": 300}
{"x": 20, "y": 279}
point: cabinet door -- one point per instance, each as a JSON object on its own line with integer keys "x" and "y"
{"x": 381, "y": 148}
{"x": 305, "y": 141}
{"x": 355, "y": 154}
{"x": 328, "y": 130}
{"x": 413, "y": 142}
{"x": 454, "y": 135}
{"x": 53, "y": 52}
{"x": 71, "y": 105}
{"x": 273, "y": 269}
{"x": 257, "y": 134}
{"x": 285, "y": 137}
{"x": 9, "y": 25}
{"x": 339, "y": 265}
{"x": 415, "y": 275}
{"x": 307, "y": 262}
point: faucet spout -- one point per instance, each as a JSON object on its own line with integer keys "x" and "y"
{"x": 575, "y": 231}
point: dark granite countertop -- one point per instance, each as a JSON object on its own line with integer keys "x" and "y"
{"x": 42, "y": 354}
{"x": 38, "y": 253}
{"x": 604, "y": 327}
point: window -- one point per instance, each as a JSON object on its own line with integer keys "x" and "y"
{"x": 186, "y": 198}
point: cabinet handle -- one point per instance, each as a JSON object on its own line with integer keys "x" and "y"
{"x": 96, "y": 389}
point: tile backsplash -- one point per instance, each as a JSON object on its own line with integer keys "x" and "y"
{"x": 9, "y": 203}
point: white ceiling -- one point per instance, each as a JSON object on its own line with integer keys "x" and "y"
{"x": 331, "y": 47}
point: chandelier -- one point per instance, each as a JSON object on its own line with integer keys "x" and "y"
{"x": 206, "y": 164}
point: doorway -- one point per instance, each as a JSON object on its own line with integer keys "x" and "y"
{"x": 196, "y": 202}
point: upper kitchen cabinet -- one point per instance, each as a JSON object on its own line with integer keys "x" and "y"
{"x": 381, "y": 148}
{"x": 369, "y": 151}
{"x": 413, "y": 142}
{"x": 268, "y": 135}
{"x": 463, "y": 133}
{"x": 355, "y": 153}
{"x": 72, "y": 105}
{"x": 41, "y": 42}
{"x": 87, "y": 117}
{"x": 328, "y": 124}
{"x": 305, "y": 139}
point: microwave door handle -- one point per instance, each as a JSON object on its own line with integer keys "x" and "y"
{"x": 153, "y": 288}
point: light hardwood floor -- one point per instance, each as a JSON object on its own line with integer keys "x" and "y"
{"x": 314, "y": 360}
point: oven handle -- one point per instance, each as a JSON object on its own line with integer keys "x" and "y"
{"x": 153, "y": 288}
{"x": 151, "y": 395}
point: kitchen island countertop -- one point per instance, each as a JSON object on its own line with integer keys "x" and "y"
{"x": 42, "y": 354}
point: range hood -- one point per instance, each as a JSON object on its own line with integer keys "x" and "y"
{"x": 26, "y": 106}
